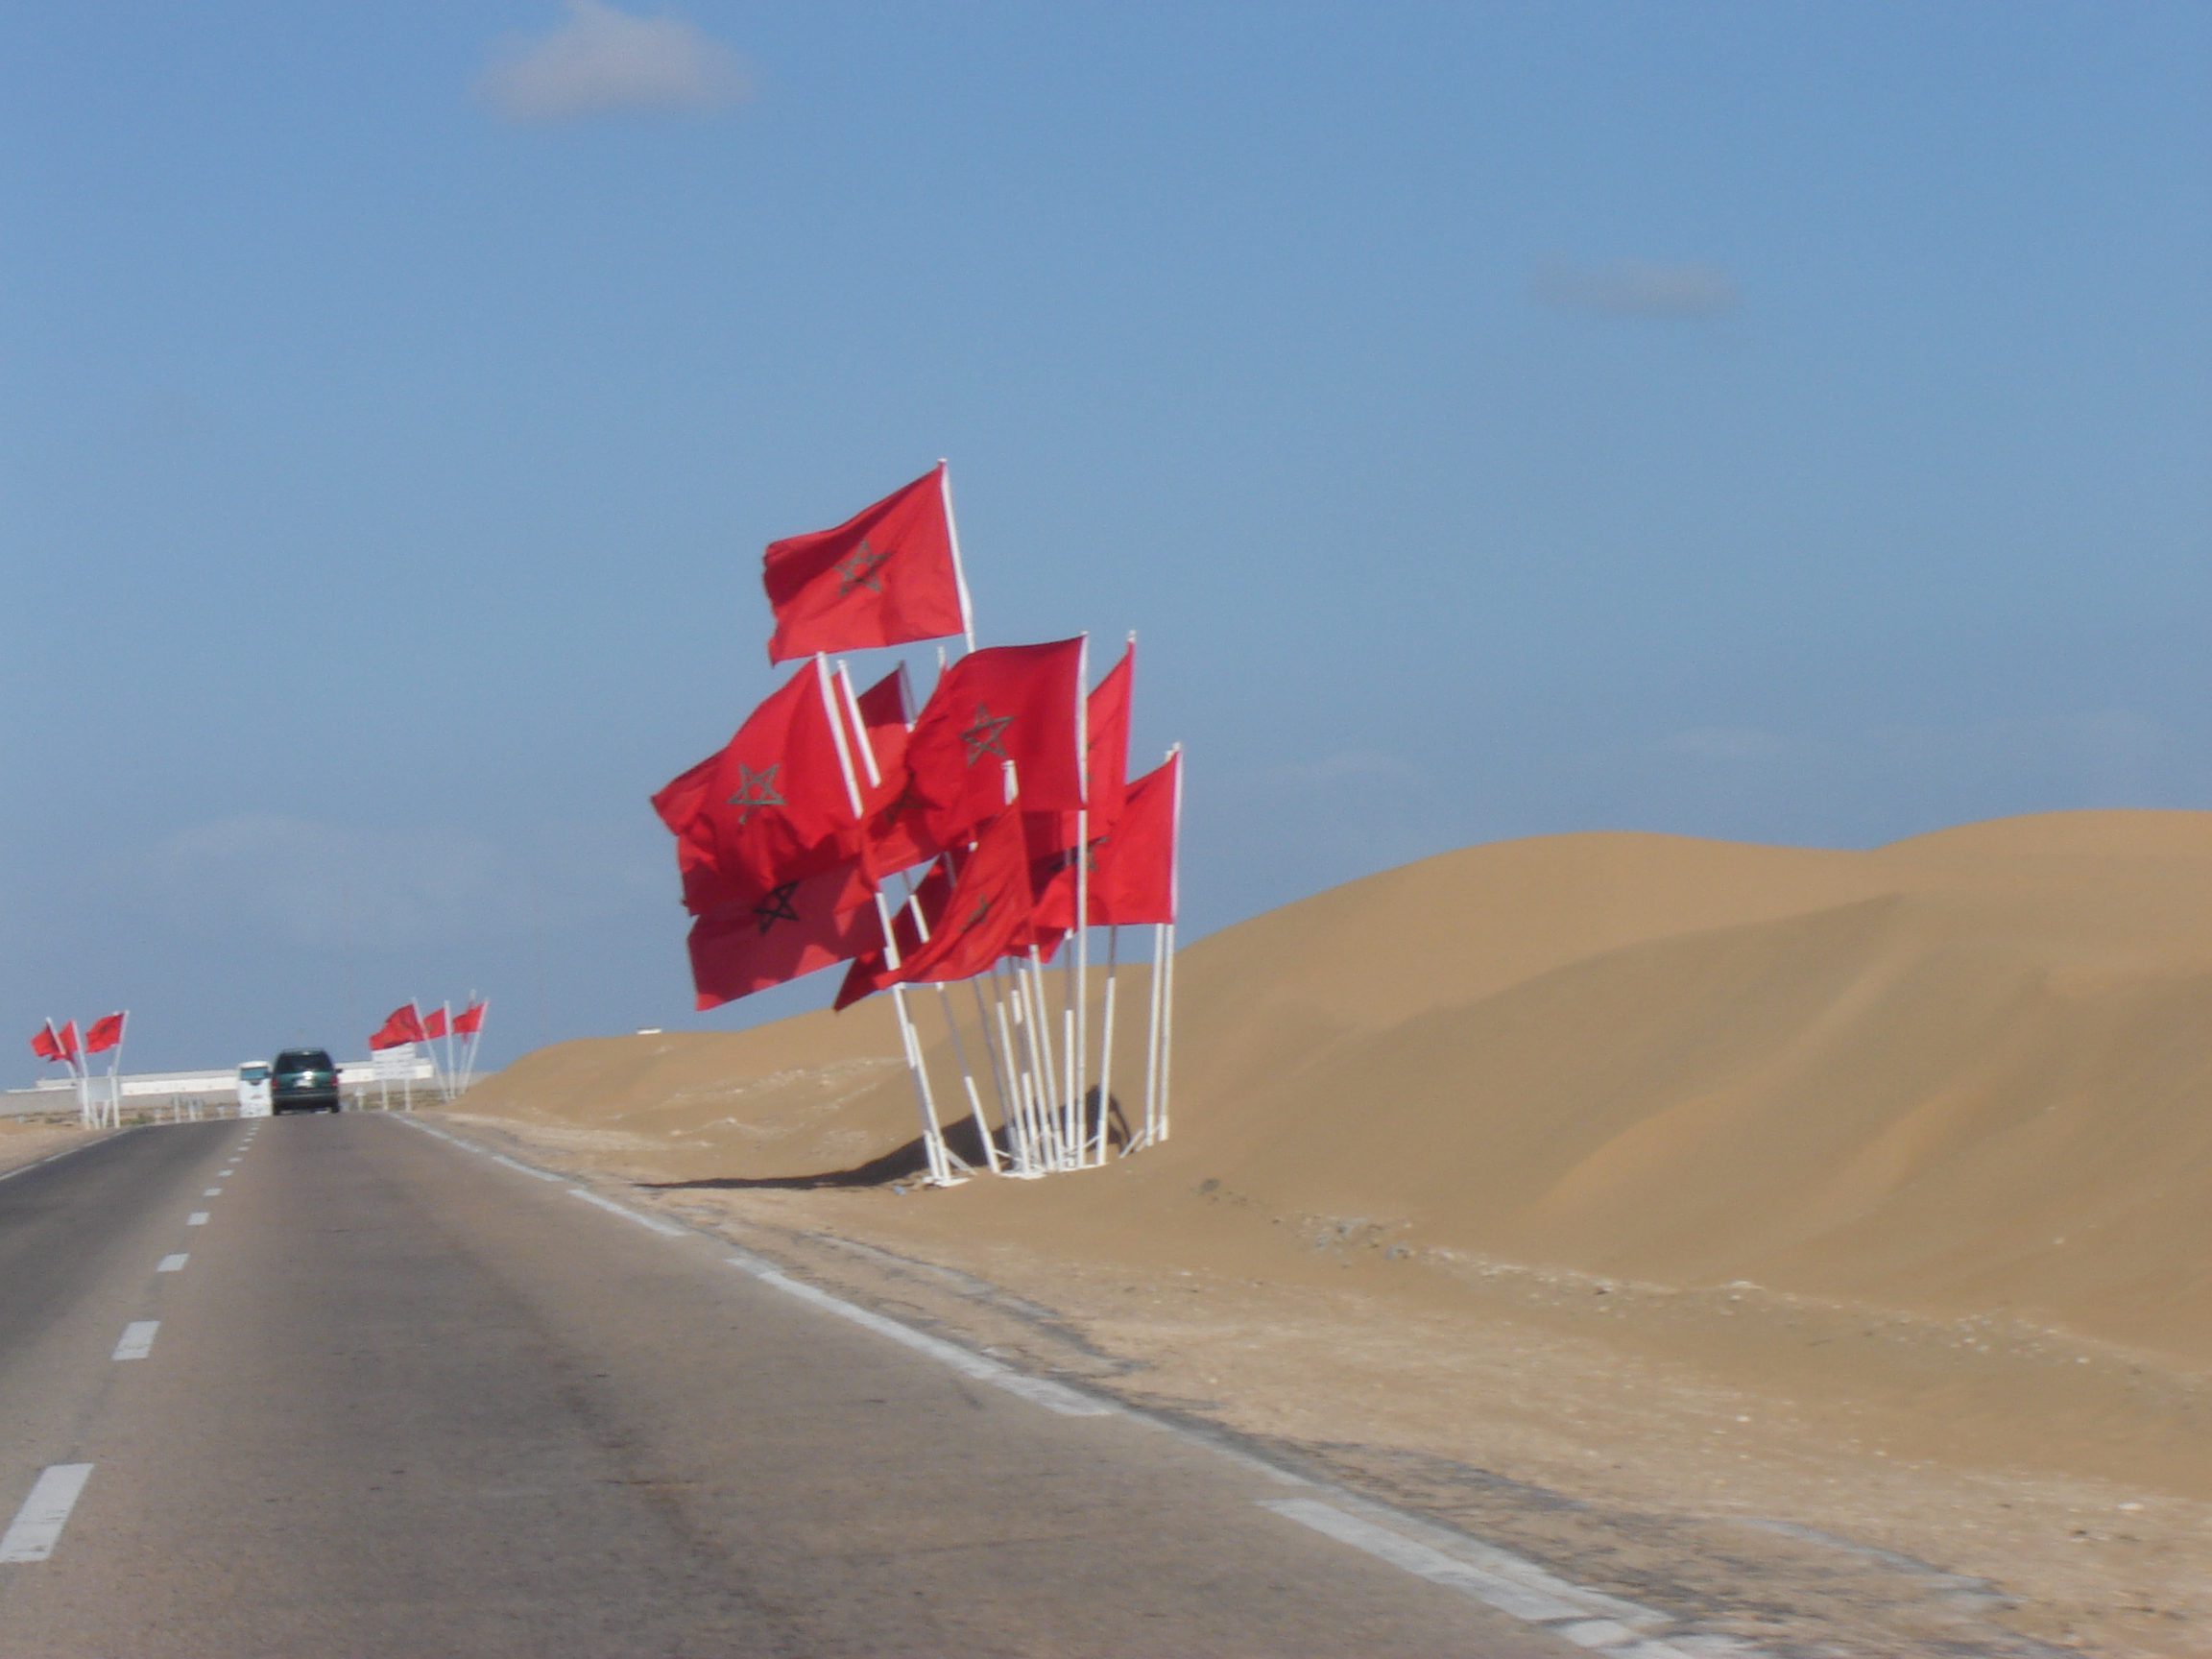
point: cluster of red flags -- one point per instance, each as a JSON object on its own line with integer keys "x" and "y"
{"x": 407, "y": 1024}
{"x": 786, "y": 837}
{"x": 64, "y": 1047}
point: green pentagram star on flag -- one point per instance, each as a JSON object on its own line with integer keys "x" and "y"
{"x": 857, "y": 569}
{"x": 756, "y": 790}
{"x": 982, "y": 736}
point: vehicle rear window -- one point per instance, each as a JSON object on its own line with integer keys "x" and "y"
{"x": 305, "y": 1059}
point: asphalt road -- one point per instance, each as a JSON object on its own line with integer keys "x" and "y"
{"x": 396, "y": 1399}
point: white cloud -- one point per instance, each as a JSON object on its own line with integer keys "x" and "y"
{"x": 603, "y": 60}
{"x": 1638, "y": 288}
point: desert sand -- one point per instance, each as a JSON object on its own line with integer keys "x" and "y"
{"x": 1815, "y": 1243}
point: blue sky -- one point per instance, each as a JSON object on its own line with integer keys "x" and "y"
{"x": 1775, "y": 422}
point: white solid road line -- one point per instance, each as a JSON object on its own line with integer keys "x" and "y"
{"x": 37, "y": 1525}
{"x": 666, "y": 1229}
{"x": 198, "y": 1218}
{"x": 517, "y": 1164}
{"x": 1515, "y": 1586}
{"x": 173, "y": 1263}
{"x": 137, "y": 1339}
{"x": 1052, "y": 1396}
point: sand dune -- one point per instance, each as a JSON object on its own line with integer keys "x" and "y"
{"x": 1970, "y": 1071}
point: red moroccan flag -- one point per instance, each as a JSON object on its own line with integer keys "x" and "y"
{"x": 886, "y": 576}
{"x": 402, "y": 1026}
{"x": 45, "y": 1044}
{"x": 1106, "y": 739}
{"x": 893, "y": 834}
{"x": 469, "y": 1021}
{"x": 67, "y": 1038}
{"x": 1132, "y": 867}
{"x": 871, "y": 971}
{"x": 795, "y": 927}
{"x": 103, "y": 1034}
{"x": 771, "y": 807}
{"x": 985, "y": 914}
{"x": 434, "y": 1025}
{"x": 1022, "y": 703}
{"x": 1053, "y": 836}
{"x": 885, "y": 718}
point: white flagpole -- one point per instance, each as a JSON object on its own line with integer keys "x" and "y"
{"x": 1106, "y": 1041}
{"x": 451, "y": 1075}
{"x": 959, "y": 572}
{"x": 115, "y": 1075}
{"x": 933, "y": 1148}
{"x": 867, "y": 748}
{"x": 477, "y": 1038}
{"x": 1152, "y": 1038}
{"x": 1079, "y": 964}
{"x": 1174, "y": 909}
{"x": 407, "y": 1082}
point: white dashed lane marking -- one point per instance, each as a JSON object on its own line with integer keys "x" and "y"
{"x": 212, "y": 1193}
{"x": 173, "y": 1263}
{"x": 37, "y": 1525}
{"x": 198, "y": 1218}
{"x": 137, "y": 1339}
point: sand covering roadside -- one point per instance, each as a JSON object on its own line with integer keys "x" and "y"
{"x": 1864, "y": 1192}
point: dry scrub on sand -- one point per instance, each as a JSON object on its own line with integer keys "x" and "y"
{"x": 1814, "y": 1245}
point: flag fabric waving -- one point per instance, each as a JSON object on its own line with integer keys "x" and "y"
{"x": 893, "y": 834}
{"x": 1106, "y": 739}
{"x": 770, "y": 807}
{"x": 797, "y": 927}
{"x": 869, "y": 972}
{"x": 402, "y": 1026}
{"x": 104, "y": 1033}
{"x": 1022, "y": 703}
{"x": 1133, "y": 871}
{"x": 67, "y": 1038}
{"x": 985, "y": 914}
{"x": 469, "y": 1021}
{"x": 46, "y": 1045}
{"x": 1053, "y": 836}
{"x": 434, "y": 1025}
{"x": 886, "y": 576}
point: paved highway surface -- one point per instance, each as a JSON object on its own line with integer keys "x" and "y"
{"x": 325, "y": 1387}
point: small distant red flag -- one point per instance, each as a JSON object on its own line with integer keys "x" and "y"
{"x": 68, "y": 1039}
{"x": 434, "y": 1024}
{"x": 103, "y": 1034}
{"x": 769, "y": 809}
{"x": 469, "y": 1021}
{"x": 45, "y": 1044}
{"x": 794, "y": 929}
{"x": 1007, "y": 702}
{"x": 886, "y": 576}
{"x": 402, "y": 1026}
